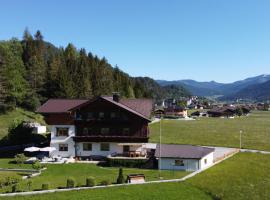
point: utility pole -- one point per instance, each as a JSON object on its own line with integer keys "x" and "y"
{"x": 240, "y": 137}
{"x": 159, "y": 164}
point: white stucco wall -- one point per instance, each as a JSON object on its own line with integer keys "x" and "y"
{"x": 210, "y": 160}
{"x": 56, "y": 140}
{"x": 114, "y": 148}
{"x": 189, "y": 164}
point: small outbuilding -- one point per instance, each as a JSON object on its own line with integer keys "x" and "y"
{"x": 184, "y": 157}
{"x": 136, "y": 178}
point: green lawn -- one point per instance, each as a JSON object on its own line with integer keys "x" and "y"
{"x": 57, "y": 174}
{"x": 244, "y": 176}
{"x": 7, "y": 119}
{"x": 8, "y": 164}
{"x": 168, "y": 191}
{"x": 217, "y": 131}
{"x": 241, "y": 177}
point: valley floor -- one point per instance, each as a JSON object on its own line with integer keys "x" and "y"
{"x": 217, "y": 131}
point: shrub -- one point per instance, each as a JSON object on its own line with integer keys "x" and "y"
{"x": 36, "y": 165}
{"x": 125, "y": 163}
{"x": 120, "y": 178}
{"x": 14, "y": 188}
{"x": 4, "y": 108}
{"x": 45, "y": 186}
{"x": 29, "y": 184}
{"x": 20, "y": 158}
{"x": 70, "y": 183}
{"x": 90, "y": 182}
{"x": 105, "y": 182}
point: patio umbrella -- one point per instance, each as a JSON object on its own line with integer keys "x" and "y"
{"x": 49, "y": 149}
{"x": 32, "y": 149}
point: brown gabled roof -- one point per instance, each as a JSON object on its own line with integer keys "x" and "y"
{"x": 60, "y": 105}
{"x": 182, "y": 151}
{"x": 140, "y": 107}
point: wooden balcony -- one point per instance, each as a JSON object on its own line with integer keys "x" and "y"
{"x": 110, "y": 138}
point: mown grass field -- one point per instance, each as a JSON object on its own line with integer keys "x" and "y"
{"x": 242, "y": 177}
{"x": 7, "y": 119}
{"x": 168, "y": 191}
{"x": 217, "y": 131}
{"x": 56, "y": 175}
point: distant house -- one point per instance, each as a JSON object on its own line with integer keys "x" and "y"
{"x": 99, "y": 127}
{"x": 199, "y": 114}
{"x": 184, "y": 157}
{"x": 176, "y": 111}
{"x": 159, "y": 111}
{"x": 167, "y": 103}
{"x": 222, "y": 112}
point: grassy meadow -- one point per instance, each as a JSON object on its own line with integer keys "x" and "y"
{"x": 56, "y": 175}
{"x": 18, "y": 113}
{"x": 217, "y": 131}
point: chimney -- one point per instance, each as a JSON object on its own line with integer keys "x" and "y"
{"x": 116, "y": 96}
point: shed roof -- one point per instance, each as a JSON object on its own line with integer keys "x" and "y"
{"x": 182, "y": 151}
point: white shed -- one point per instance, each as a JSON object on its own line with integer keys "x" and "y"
{"x": 184, "y": 157}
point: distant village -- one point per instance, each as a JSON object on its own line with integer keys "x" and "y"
{"x": 195, "y": 106}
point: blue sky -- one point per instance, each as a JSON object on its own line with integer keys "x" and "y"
{"x": 221, "y": 40}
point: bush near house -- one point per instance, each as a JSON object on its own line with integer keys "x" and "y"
{"x": 120, "y": 179}
{"x": 90, "y": 182}
{"x": 71, "y": 182}
{"x": 45, "y": 186}
{"x": 20, "y": 158}
{"x": 125, "y": 163}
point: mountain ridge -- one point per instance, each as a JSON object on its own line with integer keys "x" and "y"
{"x": 212, "y": 88}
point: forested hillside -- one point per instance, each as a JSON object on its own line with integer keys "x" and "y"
{"x": 32, "y": 70}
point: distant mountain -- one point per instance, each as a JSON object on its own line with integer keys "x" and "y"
{"x": 232, "y": 88}
{"x": 195, "y": 87}
{"x": 214, "y": 88}
{"x": 259, "y": 92}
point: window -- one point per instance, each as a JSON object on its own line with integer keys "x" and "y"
{"x": 113, "y": 115}
{"x": 78, "y": 116}
{"x": 101, "y": 115}
{"x": 63, "y": 147}
{"x": 85, "y": 131}
{"x": 179, "y": 163}
{"x": 205, "y": 161}
{"x": 61, "y": 131}
{"x": 104, "y": 131}
{"x": 87, "y": 146}
{"x": 126, "y": 148}
{"x": 104, "y": 147}
{"x": 90, "y": 115}
{"x": 125, "y": 131}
